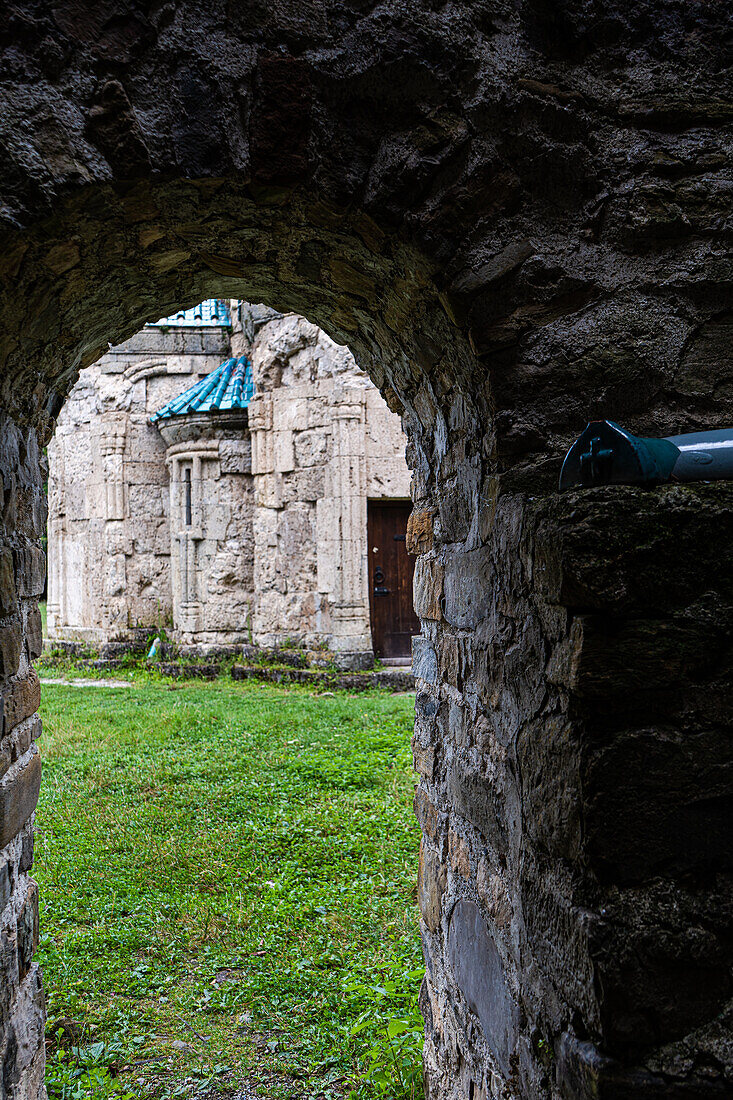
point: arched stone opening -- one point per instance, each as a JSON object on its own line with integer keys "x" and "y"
{"x": 213, "y": 480}
{"x": 515, "y": 220}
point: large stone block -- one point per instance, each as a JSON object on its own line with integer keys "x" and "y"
{"x": 30, "y": 570}
{"x": 480, "y": 801}
{"x": 479, "y": 974}
{"x": 235, "y": 456}
{"x": 27, "y": 929}
{"x": 20, "y": 699}
{"x": 427, "y": 588}
{"x": 426, "y": 813}
{"x": 8, "y": 971}
{"x": 34, "y": 633}
{"x": 22, "y": 1053}
{"x": 468, "y": 588}
{"x": 420, "y": 531}
{"x": 424, "y": 758}
{"x": 431, "y": 882}
{"x": 8, "y": 594}
{"x": 19, "y": 790}
{"x": 6, "y": 885}
{"x": 424, "y": 660}
{"x": 11, "y": 647}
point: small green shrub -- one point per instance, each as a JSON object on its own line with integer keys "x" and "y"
{"x": 394, "y": 1059}
{"x": 84, "y": 1073}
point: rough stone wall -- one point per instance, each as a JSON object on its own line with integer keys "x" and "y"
{"x": 516, "y": 217}
{"x": 573, "y": 799}
{"x": 324, "y": 441}
{"x": 109, "y": 525}
{"x": 22, "y": 575}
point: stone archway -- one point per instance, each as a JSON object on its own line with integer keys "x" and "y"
{"x": 515, "y": 219}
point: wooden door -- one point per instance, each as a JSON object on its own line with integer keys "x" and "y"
{"x": 390, "y": 579}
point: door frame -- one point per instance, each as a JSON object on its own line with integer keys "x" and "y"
{"x": 382, "y": 502}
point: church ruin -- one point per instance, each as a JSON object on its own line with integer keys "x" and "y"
{"x": 516, "y": 216}
{"x": 218, "y": 474}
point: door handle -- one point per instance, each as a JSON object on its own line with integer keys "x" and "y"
{"x": 380, "y": 590}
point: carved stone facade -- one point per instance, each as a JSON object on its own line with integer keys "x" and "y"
{"x": 323, "y": 443}
{"x": 238, "y": 526}
{"x": 109, "y": 536}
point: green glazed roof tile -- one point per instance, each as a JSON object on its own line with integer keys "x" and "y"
{"x": 228, "y": 387}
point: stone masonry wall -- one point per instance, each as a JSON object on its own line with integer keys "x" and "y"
{"x": 567, "y": 798}
{"x": 109, "y": 524}
{"x": 121, "y": 554}
{"x": 516, "y": 216}
{"x": 324, "y": 441}
{"x": 22, "y": 575}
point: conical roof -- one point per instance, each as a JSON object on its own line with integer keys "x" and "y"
{"x": 228, "y": 387}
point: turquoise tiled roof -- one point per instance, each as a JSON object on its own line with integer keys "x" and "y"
{"x": 228, "y": 387}
{"x": 211, "y": 312}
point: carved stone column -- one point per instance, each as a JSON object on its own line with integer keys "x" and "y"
{"x": 341, "y": 522}
{"x": 112, "y": 447}
{"x": 185, "y": 462}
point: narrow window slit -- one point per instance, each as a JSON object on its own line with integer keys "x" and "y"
{"x": 187, "y": 489}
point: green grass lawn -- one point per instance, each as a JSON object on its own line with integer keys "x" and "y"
{"x": 227, "y": 878}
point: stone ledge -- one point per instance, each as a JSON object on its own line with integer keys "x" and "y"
{"x": 391, "y": 679}
{"x": 20, "y": 699}
{"x": 112, "y": 654}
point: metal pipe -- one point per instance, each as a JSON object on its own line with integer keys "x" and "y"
{"x": 606, "y": 454}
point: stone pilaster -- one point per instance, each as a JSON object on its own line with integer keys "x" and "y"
{"x": 341, "y": 525}
{"x": 112, "y": 448}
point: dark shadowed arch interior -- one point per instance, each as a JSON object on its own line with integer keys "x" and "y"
{"x": 331, "y": 266}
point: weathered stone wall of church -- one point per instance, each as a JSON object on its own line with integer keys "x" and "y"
{"x": 108, "y": 531}
{"x": 323, "y": 442}
{"x": 121, "y": 554}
